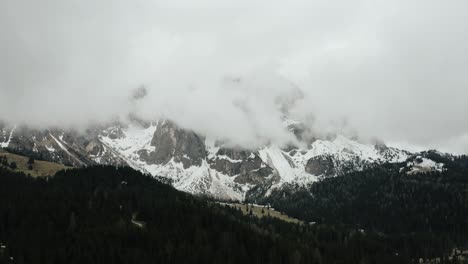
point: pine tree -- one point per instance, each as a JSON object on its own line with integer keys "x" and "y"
{"x": 72, "y": 224}
{"x": 295, "y": 258}
{"x": 317, "y": 256}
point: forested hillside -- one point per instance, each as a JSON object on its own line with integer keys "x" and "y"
{"x": 426, "y": 212}
{"x": 118, "y": 215}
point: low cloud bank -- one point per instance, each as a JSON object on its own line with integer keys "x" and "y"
{"x": 391, "y": 70}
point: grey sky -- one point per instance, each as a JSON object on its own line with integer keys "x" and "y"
{"x": 395, "y": 70}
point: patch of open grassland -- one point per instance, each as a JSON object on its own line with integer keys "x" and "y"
{"x": 39, "y": 168}
{"x": 263, "y": 211}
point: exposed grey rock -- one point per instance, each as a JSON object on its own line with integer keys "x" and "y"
{"x": 182, "y": 145}
{"x": 67, "y": 147}
{"x": 239, "y": 161}
{"x": 111, "y": 144}
{"x": 255, "y": 177}
{"x": 321, "y": 165}
{"x": 114, "y": 132}
{"x": 261, "y": 190}
{"x": 388, "y": 153}
{"x": 225, "y": 166}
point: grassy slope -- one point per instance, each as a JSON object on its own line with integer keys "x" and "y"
{"x": 40, "y": 168}
{"x": 260, "y": 211}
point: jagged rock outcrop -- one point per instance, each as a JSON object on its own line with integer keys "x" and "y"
{"x": 255, "y": 177}
{"x": 234, "y": 161}
{"x": 247, "y": 166}
{"x": 321, "y": 165}
{"x": 196, "y": 164}
{"x": 67, "y": 147}
{"x": 171, "y": 142}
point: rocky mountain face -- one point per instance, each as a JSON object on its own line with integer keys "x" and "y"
{"x": 69, "y": 147}
{"x": 209, "y": 166}
{"x": 202, "y": 165}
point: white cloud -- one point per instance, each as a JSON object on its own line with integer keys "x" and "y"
{"x": 391, "y": 69}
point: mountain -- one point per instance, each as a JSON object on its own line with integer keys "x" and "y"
{"x": 214, "y": 166}
{"x": 201, "y": 165}
{"x": 430, "y": 201}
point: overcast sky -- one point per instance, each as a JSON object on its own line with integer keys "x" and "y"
{"x": 395, "y": 70}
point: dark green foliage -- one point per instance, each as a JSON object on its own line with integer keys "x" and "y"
{"x": 4, "y": 161}
{"x": 118, "y": 215}
{"x": 423, "y": 214}
{"x": 26, "y": 152}
{"x": 13, "y": 165}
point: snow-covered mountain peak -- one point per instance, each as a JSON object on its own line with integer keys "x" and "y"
{"x": 348, "y": 149}
{"x": 201, "y": 165}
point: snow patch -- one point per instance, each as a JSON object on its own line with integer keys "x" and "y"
{"x": 50, "y": 149}
{"x": 420, "y": 165}
{"x": 65, "y": 149}
{"x": 195, "y": 179}
{"x": 274, "y": 157}
{"x": 7, "y": 143}
{"x": 135, "y": 138}
{"x": 228, "y": 158}
{"x": 211, "y": 148}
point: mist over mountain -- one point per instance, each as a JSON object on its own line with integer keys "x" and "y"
{"x": 247, "y": 131}
{"x": 378, "y": 69}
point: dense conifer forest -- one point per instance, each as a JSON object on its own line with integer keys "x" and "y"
{"x": 424, "y": 214}
{"x": 118, "y": 215}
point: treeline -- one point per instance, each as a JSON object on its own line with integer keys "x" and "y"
{"x": 4, "y": 163}
{"x": 118, "y": 215}
{"x": 26, "y": 152}
{"x": 424, "y": 214}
